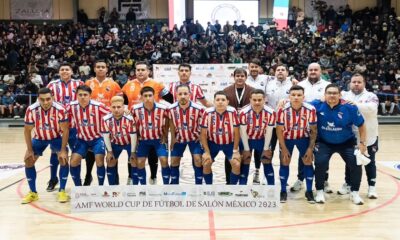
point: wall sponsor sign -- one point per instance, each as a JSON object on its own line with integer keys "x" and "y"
{"x": 31, "y": 9}
{"x": 140, "y": 7}
{"x": 210, "y": 77}
{"x": 175, "y": 198}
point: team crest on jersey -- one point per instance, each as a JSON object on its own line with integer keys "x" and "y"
{"x": 67, "y": 99}
{"x": 150, "y": 125}
{"x": 141, "y": 116}
{"x": 37, "y": 115}
{"x": 92, "y": 85}
{"x": 213, "y": 120}
{"x": 46, "y": 126}
{"x": 191, "y": 117}
{"x": 111, "y": 124}
{"x": 85, "y": 122}
{"x": 58, "y": 90}
{"x": 124, "y": 126}
{"x": 74, "y": 90}
{"x": 132, "y": 88}
{"x": 220, "y": 131}
{"x": 157, "y": 117}
{"x": 340, "y": 115}
{"x": 108, "y": 88}
{"x": 101, "y": 95}
{"x": 320, "y": 89}
{"x": 176, "y": 115}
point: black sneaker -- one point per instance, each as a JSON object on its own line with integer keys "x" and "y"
{"x": 310, "y": 197}
{"x": 283, "y": 197}
{"x": 88, "y": 181}
{"x": 52, "y": 185}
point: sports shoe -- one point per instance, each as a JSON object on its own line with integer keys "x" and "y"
{"x": 355, "y": 198}
{"x": 129, "y": 181}
{"x": 345, "y": 189}
{"x": 310, "y": 197}
{"x": 30, "y": 197}
{"x": 62, "y": 196}
{"x": 327, "y": 188}
{"x": 52, "y": 185}
{"x": 256, "y": 178}
{"x": 88, "y": 181}
{"x": 283, "y": 197}
{"x": 297, "y": 186}
{"x": 372, "y": 192}
{"x": 320, "y": 198}
{"x": 153, "y": 181}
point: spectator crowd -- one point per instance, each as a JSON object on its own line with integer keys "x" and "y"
{"x": 341, "y": 41}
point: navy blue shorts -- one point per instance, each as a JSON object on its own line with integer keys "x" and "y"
{"x": 227, "y": 149}
{"x": 145, "y": 146}
{"x": 117, "y": 150}
{"x": 97, "y": 146}
{"x": 179, "y": 148}
{"x": 40, "y": 145}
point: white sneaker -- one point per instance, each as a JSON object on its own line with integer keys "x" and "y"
{"x": 129, "y": 181}
{"x": 320, "y": 197}
{"x": 297, "y": 186}
{"x": 153, "y": 181}
{"x": 372, "y": 192}
{"x": 256, "y": 178}
{"x": 355, "y": 197}
{"x": 345, "y": 189}
{"x": 327, "y": 188}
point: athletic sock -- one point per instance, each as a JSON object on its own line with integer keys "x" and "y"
{"x": 269, "y": 173}
{"x": 244, "y": 174}
{"x": 111, "y": 175}
{"x": 309, "y": 175}
{"x": 101, "y": 174}
{"x": 198, "y": 175}
{"x": 166, "y": 173}
{"x": 76, "y": 175}
{"x": 233, "y": 179}
{"x": 134, "y": 175}
{"x": 284, "y": 175}
{"x": 142, "y": 175}
{"x": 208, "y": 178}
{"x": 31, "y": 177}
{"x": 53, "y": 166}
{"x": 63, "y": 173}
{"x": 174, "y": 174}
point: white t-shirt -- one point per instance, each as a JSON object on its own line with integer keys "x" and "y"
{"x": 313, "y": 91}
{"x": 260, "y": 82}
{"x": 277, "y": 90}
{"x": 367, "y": 103}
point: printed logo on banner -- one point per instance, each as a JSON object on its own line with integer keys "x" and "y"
{"x": 175, "y": 198}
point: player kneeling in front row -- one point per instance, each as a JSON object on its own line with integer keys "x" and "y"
{"x": 220, "y": 132}
{"x": 257, "y": 122}
{"x": 86, "y": 115}
{"x": 119, "y": 133}
{"x": 50, "y": 123}
{"x": 152, "y": 124}
{"x": 185, "y": 117}
{"x": 296, "y": 125}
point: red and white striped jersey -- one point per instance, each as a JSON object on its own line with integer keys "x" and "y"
{"x": 257, "y": 123}
{"x": 296, "y": 123}
{"x": 64, "y": 92}
{"x": 150, "y": 124}
{"x": 187, "y": 122}
{"x": 119, "y": 129}
{"x": 220, "y": 127}
{"x": 87, "y": 120}
{"x": 196, "y": 93}
{"x": 46, "y": 123}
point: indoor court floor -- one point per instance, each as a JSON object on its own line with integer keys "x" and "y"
{"x": 338, "y": 218}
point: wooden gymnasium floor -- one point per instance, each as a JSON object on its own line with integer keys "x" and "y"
{"x": 337, "y": 219}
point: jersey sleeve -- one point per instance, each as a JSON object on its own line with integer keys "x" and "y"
{"x": 63, "y": 116}
{"x": 272, "y": 119}
{"x": 162, "y": 89}
{"x": 313, "y": 117}
{"x": 280, "y": 117}
{"x": 117, "y": 89}
{"x": 199, "y": 93}
{"x": 242, "y": 118}
{"x": 132, "y": 126}
{"x": 104, "y": 127}
{"x": 204, "y": 121}
{"x": 29, "y": 117}
{"x": 357, "y": 118}
{"x": 235, "y": 119}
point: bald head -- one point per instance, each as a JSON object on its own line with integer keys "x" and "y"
{"x": 314, "y": 72}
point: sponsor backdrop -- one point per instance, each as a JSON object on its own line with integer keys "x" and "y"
{"x": 10, "y": 169}
{"x": 259, "y": 198}
{"x": 211, "y": 77}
